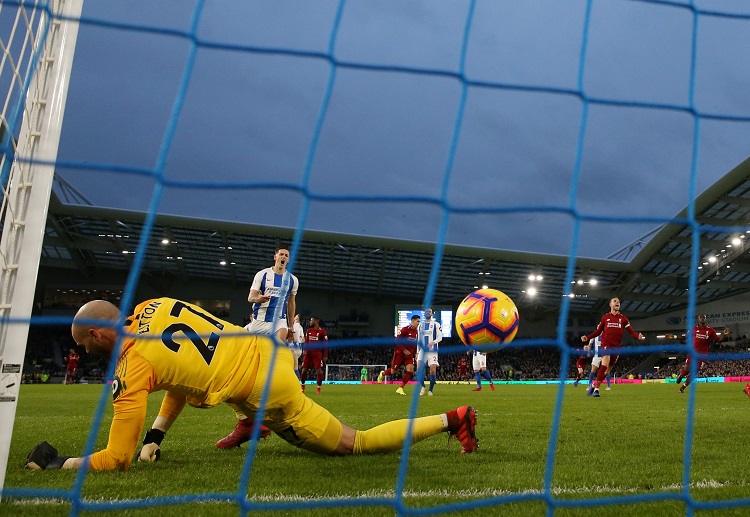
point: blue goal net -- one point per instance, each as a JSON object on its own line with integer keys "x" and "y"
{"x": 543, "y": 127}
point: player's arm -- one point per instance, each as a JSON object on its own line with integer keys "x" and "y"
{"x": 291, "y": 310}
{"x": 123, "y": 440}
{"x": 256, "y": 296}
{"x": 171, "y": 407}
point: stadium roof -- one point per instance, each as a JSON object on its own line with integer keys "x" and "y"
{"x": 655, "y": 280}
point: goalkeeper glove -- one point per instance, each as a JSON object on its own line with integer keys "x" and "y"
{"x": 150, "y": 451}
{"x": 44, "y": 456}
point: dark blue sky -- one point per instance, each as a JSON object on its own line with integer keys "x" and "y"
{"x": 248, "y": 118}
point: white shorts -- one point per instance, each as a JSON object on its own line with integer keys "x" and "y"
{"x": 265, "y": 327}
{"x": 479, "y": 362}
{"x": 429, "y": 358}
{"x": 596, "y": 361}
{"x": 296, "y": 349}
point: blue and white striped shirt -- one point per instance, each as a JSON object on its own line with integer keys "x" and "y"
{"x": 278, "y": 287}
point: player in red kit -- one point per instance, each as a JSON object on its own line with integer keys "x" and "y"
{"x": 463, "y": 367}
{"x": 703, "y": 336}
{"x": 316, "y": 352}
{"x": 71, "y": 365}
{"x": 611, "y": 327}
{"x": 580, "y": 368}
{"x": 405, "y": 353}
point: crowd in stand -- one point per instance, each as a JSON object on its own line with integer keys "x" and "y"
{"x": 48, "y": 345}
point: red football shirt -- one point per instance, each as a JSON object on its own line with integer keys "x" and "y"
{"x": 410, "y": 333}
{"x": 313, "y": 336}
{"x": 612, "y": 327}
{"x": 702, "y": 338}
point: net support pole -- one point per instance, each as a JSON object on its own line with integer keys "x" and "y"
{"x": 27, "y": 199}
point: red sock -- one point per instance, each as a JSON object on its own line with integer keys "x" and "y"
{"x": 406, "y": 379}
{"x": 320, "y": 379}
{"x": 601, "y": 373}
{"x": 303, "y": 377}
{"x": 389, "y": 371}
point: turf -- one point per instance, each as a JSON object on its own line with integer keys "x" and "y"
{"x": 621, "y": 448}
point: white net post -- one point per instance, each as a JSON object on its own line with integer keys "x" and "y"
{"x": 46, "y": 44}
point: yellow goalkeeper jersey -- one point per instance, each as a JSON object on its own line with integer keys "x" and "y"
{"x": 175, "y": 346}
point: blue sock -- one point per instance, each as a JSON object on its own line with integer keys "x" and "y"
{"x": 607, "y": 380}
{"x": 433, "y": 380}
{"x": 487, "y": 375}
{"x": 478, "y": 377}
{"x": 296, "y": 372}
{"x": 591, "y": 376}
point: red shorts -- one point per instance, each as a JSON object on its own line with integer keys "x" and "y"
{"x": 581, "y": 363}
{"x": 612, "y": 357}
{"x": 313, "y": 359}
{"x": 400, "y": 358}
{"x": 701, "y": 362}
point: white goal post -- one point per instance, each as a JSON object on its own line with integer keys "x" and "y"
{"x": 37, "y": 57}
{"x": 351, "y": 372}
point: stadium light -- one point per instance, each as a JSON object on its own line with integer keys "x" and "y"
{"x": 165, "y": 241}
{"x": 531, "y": 291}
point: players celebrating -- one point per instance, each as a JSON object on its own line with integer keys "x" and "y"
{"x": 404, "y": 353}
{"x": 316, "y": 352}
{"x": 703, "y": 336}
{"x": 611, "y": 327}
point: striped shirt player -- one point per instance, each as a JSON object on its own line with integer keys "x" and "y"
{"x": 429, "y": 337}
{"x": 203, "y": 361}
{"x": 273, "y": 295}
{"x": 479, "y": 361}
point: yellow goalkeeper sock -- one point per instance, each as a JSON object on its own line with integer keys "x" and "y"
{"x": 390, "y": 436}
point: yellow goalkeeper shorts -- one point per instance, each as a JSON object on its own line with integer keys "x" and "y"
{"x": 288, "y": 412}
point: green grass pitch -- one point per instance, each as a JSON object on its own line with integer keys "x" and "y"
{"x": 628, "y": 442}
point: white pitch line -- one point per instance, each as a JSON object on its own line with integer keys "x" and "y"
{"x": 422, "y": 494}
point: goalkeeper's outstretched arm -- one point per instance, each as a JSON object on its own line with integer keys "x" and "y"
{"x": 171, "y": 407}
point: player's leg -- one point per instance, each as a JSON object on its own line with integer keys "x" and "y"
{"x": 478, "y": 379}
{"x": 389, "y": 437}
{"x": 408, "y": 372}
{"x": 319, "y": 379}
{"x": 242, "y": 431}
{"x": 487, "y": 375}
{"x": 306, "y": 424}
{"x": 433, "y": 374}
{"x": 421, "y": 371}
{"x": 685, "y": 370}
{"x": 600, "y": 373}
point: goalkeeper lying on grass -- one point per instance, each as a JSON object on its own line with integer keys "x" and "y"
{"x": 178, "y": 347}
